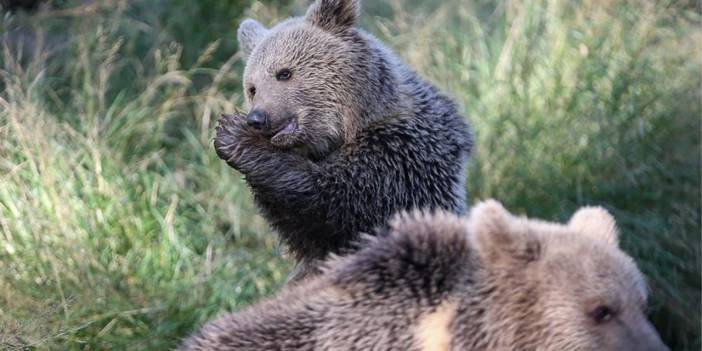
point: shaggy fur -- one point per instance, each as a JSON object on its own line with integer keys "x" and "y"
{"x": 436, "y": 282}
{"x": 349, "y": 138}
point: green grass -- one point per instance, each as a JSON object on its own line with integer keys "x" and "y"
{"x": 120, "y": 228}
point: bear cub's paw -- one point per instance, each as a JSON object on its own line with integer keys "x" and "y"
{"x": 239, "y": 144}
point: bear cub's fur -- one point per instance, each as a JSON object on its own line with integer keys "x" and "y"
{"x": 437, "y": 282}
{"x": 340, "y": 134}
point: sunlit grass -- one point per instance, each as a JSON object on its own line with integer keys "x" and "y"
{"x": 120, "y": 228}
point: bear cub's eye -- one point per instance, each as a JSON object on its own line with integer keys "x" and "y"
{"x": 602, "y": 314}
{"x": 283, "y": 74}
{"x": 252, "y": 92}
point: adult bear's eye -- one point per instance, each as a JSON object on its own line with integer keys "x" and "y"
{"x": 602, "y": 314}
{"x": 283, "y": 75}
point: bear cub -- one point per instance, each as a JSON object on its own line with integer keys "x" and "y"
{"x": 437, "y": 282}
{"x": 339, "y": 134}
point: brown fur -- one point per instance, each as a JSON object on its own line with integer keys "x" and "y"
{"x": 436, "y": 282}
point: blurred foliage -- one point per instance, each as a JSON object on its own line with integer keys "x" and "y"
{"x": 120, "y": 228}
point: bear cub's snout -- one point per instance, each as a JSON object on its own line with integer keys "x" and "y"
{"x": 259, "y": 120}
{"x": 277, "y": 127}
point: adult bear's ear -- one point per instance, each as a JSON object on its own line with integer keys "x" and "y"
{"x": 249, "y": 35}
{"x": 596, "y": 223}
{"x": 499, "y": 237}
{"x": 334, "y": 15}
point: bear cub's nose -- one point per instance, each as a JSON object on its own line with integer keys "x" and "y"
{"x": 257, "y": 119}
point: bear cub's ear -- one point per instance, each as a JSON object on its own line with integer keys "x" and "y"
{"x": 499, "y": 237}
{"x": 334, "y": 15}
{"x": 596, "y": 223}
{"x": 249, "y": 35}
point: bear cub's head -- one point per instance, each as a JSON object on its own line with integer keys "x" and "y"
{"x": 307, "y": 80}
{"x": 591, "y": 295}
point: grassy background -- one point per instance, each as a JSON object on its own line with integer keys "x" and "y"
{"x": 120, "y": 229}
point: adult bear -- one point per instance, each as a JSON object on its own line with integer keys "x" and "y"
{"x": 436, "y": 282}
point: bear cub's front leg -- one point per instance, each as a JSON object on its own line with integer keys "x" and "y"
{"x": 248, "y": 149}
{"x": 239, "y": 144}
{"x": 244, "y": 147}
